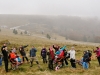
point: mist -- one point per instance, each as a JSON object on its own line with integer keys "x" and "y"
{"x": 77, "y": 20}
{"x": 70, "y": 27}
{"x": 83, "y": 8}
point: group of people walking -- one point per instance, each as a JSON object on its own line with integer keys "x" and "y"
{"x": 57, "y": 57}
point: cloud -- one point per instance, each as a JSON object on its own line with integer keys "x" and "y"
{"x": 51, "y": 7}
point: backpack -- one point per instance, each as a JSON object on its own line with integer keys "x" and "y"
{"x": 19, "y": 59}
{"x": 12, "y": 55}
{"x": 61, "y": 55}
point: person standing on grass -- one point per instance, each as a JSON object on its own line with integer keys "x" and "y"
{"x": 33, "y": 56}
{"x": 51, "y": 57}
{"x": 85, "y": 60}
{"x": 90, "y": 55}
{"x": 44, "y": 54}
{"x": 72, "y": 57}
{"x": 65, "y": 57}
{"x": 97, "y": 51}
{"x": 5, "y": 55}
{"x": 23, "y": 53}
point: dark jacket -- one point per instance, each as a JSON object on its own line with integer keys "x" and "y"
{"x": 2, "y": 48}
{"x": 85, "y": 57}
{"x": 44, "y": 52}
{"x": 33, "y": 52}
{"x": 5, "y": 55}
{"x": 22, "y": 51}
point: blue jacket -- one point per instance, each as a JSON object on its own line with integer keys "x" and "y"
{"x": 85, "y": 57}
{"x": 33, "y": 52}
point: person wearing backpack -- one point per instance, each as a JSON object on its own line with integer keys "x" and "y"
{"x": 90, "y": 55}
{"x": 97, "y": 51}
{"x": 44, "y": 54}
{"x": 85, "y": 60}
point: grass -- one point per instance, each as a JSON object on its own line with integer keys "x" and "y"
{"x": 25, "y": 69}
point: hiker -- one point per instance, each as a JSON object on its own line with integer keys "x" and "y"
{"x": 72, "y": 57}
{"x": 97, "y": 51}
{"x": 85, "y": 60}
{"x": 33, "y": 56}
{"x": 50, "y": 58}
{"x": 66, "y": 56}
{"x": 5, "y": 56}
{"x": 2, "y": 48}
{"x": 44, "y": 54}
{"x": 23, "y": 53}
{"x": 90, "y": 55}
{"x": 56, "y": 47}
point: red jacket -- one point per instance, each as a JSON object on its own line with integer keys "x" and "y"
{"x": 97, "y": 52}
{"x": 52, "y": 56}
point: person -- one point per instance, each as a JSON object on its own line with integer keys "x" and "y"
{"x": 2, "y": 48}
{"x": 85, "y": 60}
{"x": 44, "y": 54}
{"x": 56, "y": 47}
{"x": 97, "y": 51}
{"x": 90, "y": 55}
{"x": 5, "y": 56}
{"x": 33, "y": 56}
{"x": 66, "y": 57}
{"x": 23, "y": 53}
{"x": 51, "y": 57}
{"x": 72, "y": 57}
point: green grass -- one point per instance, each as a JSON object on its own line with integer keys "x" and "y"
{"x": 25, "y": 69}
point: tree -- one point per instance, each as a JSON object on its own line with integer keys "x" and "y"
{"x": 0, "y": 30}
{"x": 21, "y": 33}
{"x": 48, "y": 36}
{"x": 25, "y": 32}
{"x": 15, "y": 31}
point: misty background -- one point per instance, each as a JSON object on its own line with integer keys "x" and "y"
{"x": 77, "y": 20}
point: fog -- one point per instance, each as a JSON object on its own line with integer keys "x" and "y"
{"x": 73, "y": 19}
{"x": 84, "y": 8}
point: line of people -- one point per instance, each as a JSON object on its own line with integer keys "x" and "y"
{"x": 15, "y": 59}
{"x": 57, "y": 56}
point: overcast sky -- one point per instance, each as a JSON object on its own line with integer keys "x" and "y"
{"x": 51, "y": 7}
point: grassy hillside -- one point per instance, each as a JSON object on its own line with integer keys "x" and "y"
{"x": 17, "y": 40}
{"x": 71, "y": 27}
